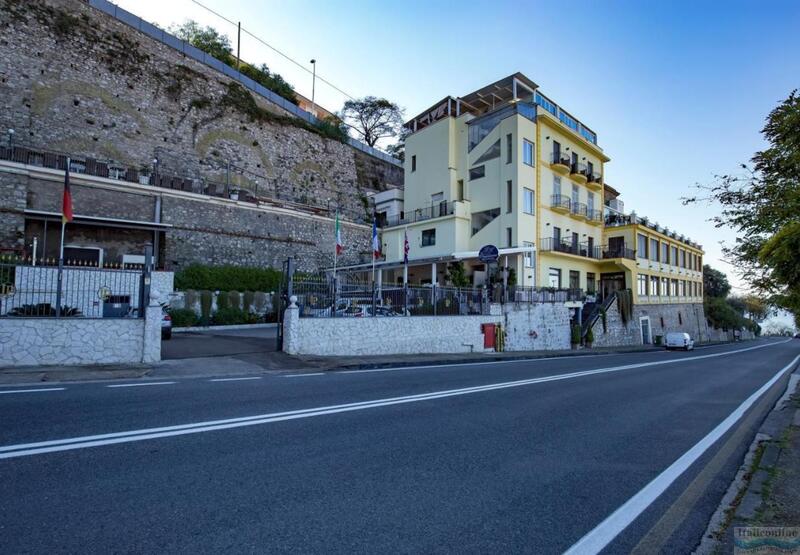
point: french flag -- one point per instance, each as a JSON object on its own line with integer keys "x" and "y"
{"x": 376, "y": 245}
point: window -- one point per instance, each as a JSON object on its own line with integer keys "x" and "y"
{"x": 665, "y": 287}
{"x": 554, "y": 276}
{"x": 509, "y": 234}
{"x": 590, "y": 202}
{"x": 509, "y": 148}
{"x": 641, "y": 246}
{"x": 556, "y": 185}
{"x": 664, "y": 253}
{"x": 654, "y": 285}
{"x": 682, "y": 290}
{"x": 591, "y": 284}
{"x": 527, "y": 152}
{"x": 673, "y": 288}
{"x": 576, "y": 195}
{"x": 414, "y": 163}
{"x": 680, "y": 319}
{"x": 556, "y": 151}
{"x": 491, "y": 153}
{"x": 654, "y": 250}
{"x": 641, "y": 282}
{"x": 556, "y": 234}
{"x": 590, "y": 247}
{"x": 477, "y": 173}
{"x": 509, "y": 196}
{"x": 683, "y": 258}
{"x": 527, "y": 201}
{"x": 460, "y": 189}
{"x": 574, "y": 279}
{"x": 590, "y": 167}
{"x": 673, "y": 256}
{"x": 437, "y": 197}
{"x": 528, "y": 255}
{"x": 428, "y": 237}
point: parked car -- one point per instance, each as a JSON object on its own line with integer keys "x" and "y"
{"x": 679, "y": 340}
{"x": 166, "y": 326}
{"x": 797, "y": 335}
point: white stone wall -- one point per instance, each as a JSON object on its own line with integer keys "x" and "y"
{"x": 383, "y": 336}
{"x": 80, "y": 341}
{"x": 536, "y": 327}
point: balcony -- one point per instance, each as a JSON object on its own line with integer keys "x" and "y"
{"x": 437, "y": 210}
{"x": 578, "y": 172}
{"x": 586, "y": 249}
{"x": 594, "y": 181}
{"x": 578, "y": 209}
{"x": 623, "y": 251}
{"x": 594, "y": 217}
{"x": 560, "y": 204}
{"x": 559, "y": 163}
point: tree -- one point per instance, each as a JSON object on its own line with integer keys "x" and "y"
{"x": 762, "y": 205}
{"x": 456, "y": 275}
{"x": 715, "y": 283}
{"x": 398, "y": 149}
{"x": 755, "y": 308}
{"x": 207, "y": 39}
{"x": 373, "y": 118}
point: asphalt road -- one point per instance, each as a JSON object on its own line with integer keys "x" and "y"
{"x": 632, "y": 452}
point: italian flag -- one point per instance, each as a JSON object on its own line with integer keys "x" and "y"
{"x": 338, "y": 234}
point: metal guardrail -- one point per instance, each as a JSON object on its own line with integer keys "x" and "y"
{"x": 437, "y": 210}
{"x": 79, "y": 291}
{"x": 188, "y": 50}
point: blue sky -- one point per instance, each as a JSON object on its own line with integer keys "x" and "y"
{"x": 676, "y": 91}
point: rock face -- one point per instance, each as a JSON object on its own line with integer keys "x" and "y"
{"x": 76, "y": 80}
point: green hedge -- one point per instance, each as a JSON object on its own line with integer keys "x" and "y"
{"x": 230, "y": 316}
{"x": 183, "y": 317}
{"x": 227, "y": 278}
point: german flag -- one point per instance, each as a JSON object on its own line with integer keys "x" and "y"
{"x": 66, "y": 202}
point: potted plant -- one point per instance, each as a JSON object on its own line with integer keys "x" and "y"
{"x": 234, "y": 194}
{"x": 589, "y": 338}
{"x": 576, "y": 336}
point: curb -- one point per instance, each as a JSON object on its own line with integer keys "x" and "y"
{"x": 223, "y": 328}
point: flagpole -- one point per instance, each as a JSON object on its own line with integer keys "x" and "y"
{"x": 60, "y": 275}
{"x": 63, "y": 227}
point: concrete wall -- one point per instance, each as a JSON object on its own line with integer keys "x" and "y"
{"x": 80, "y": 341}
{"x": 528, "y": 328}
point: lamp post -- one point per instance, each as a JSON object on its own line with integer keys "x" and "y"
{"x": 10, "y": 138}
{"x": 313, "y": 84}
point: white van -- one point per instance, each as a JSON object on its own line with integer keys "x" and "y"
{"x": 679, "y": 340}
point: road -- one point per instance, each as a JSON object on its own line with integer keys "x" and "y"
{"x": 627, "y": 452}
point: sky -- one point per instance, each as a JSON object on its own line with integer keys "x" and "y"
{"x": 677, "y": 91}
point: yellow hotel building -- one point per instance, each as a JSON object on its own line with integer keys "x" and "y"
{"x": 507, "y": 166}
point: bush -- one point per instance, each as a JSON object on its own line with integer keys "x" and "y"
{"x": 576, "y": 334}
{"x": 260, "y": 301}
{"x": 590, "y": 336}
{"x": 190, "y": 299}
{"x": 223, "y": 301}
{"x": 231, "y": 316}
{"x": 206, "y": 300}
{"x": 247, "y": 300}
{"x": 234, "y": 299}
{"x": 227, "y": 278}
{"x": 183, "y": 317}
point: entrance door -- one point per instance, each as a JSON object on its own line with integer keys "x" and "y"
{"x": 616, "y": 247}
{"x": 609, "y": 283}
{"x": 645, "y": 323}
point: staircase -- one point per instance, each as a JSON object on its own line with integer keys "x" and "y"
{"x": 592, "y": 311}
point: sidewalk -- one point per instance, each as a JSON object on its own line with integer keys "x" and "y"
{"x": 766, "y": 493}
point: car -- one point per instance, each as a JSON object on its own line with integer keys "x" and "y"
{"x": 166, "y": 326}
{"x": 797, "y": 335}
{"x": 678, "y": 340}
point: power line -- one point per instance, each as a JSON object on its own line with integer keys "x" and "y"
{"x": 265, "y": 43}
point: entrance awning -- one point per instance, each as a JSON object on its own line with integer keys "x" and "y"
{"x": 383, "y": 265}
{"x": 97, "y": 221}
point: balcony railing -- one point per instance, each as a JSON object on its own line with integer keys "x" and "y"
{"x": 579, "y": 168}
{"x": 560, "y": 201}
{"x": 594, "y": 177}
{"x": 559, "y": 158}
{"x": 585, "y": 249}
{"x": 594, "y": 215}
{"x": 437, "y": 210}
{"x": 619, "y": 252}
{"x": 579, "y": 209}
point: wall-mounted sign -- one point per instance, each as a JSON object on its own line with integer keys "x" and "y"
{"x": 488, "y": 254}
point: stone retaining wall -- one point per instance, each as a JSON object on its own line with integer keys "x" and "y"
{"x": 80, "y": 341}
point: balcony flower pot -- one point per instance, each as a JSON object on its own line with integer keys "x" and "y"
{"x": 234, "y": 194}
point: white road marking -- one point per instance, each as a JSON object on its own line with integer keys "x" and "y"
{"x": 21, "y": 450}
{"x": 605, "y": 532}
{"x": 234, "y": 379}
{"x": 303, "y": 375}
{"x": 140, "y": 384}
{"x": 39, "y": 390}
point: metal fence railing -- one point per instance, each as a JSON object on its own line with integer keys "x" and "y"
{"x": 323, "y": 297}
{"x": 86, "y": 291}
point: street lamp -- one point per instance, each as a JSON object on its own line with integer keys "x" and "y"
{"x": 313, "y": 84}
{"x": 10, "y": 138}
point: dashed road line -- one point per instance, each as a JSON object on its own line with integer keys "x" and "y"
{"x": 234, "y": 379}
{"x": 38, "y": 390}
{"x": 140, "y": 384}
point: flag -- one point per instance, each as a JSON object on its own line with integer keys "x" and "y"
{"x": 405, "y": 247}
{"x": 338, "y": 235}
{"x": 66, "y": 202}
{"x": 376, "y": 246}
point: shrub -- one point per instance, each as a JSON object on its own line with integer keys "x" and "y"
{"x": 223, "y": 301}
{"x": 190, "y": 299}
{"x": 230, "y": 316}
{"x": 234, "y": 299}
{"x": 227, "y": 278}
{"x": 182, "y": 317}
{"x": 206, "y": 300}
{"x": 576, "y": 334}
{"x": 590, "y": 336}
{"x": 247, "y": 300}
{"x": 260, "y": 301}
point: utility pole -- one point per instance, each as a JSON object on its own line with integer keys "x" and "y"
{"x": 313, "y": 85}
